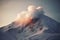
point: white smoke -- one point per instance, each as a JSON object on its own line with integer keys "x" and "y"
{"x": 32, "y": 11}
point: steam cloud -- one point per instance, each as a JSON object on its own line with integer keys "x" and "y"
{"x": 32, "y": 11}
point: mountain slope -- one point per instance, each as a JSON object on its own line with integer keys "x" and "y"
{"x": 9, "y": 32}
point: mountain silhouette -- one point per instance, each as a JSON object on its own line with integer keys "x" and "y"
{"x": 9, "y": 32}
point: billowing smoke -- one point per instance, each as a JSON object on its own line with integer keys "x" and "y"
{"x": 32, "y": 12}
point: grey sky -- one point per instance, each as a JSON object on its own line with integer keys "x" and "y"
{"x": 10, "y": 8}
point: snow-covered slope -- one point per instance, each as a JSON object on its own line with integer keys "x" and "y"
{"x": 44, "y": 28}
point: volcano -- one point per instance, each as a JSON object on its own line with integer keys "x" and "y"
{"x": 8, "y": 32}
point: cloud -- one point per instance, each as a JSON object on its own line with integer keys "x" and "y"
{"x": 32, "y": 11}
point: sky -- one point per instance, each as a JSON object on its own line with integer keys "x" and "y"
{"x": 10, "y": 8}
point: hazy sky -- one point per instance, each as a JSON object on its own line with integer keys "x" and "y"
{"x": 10, "y": 8}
